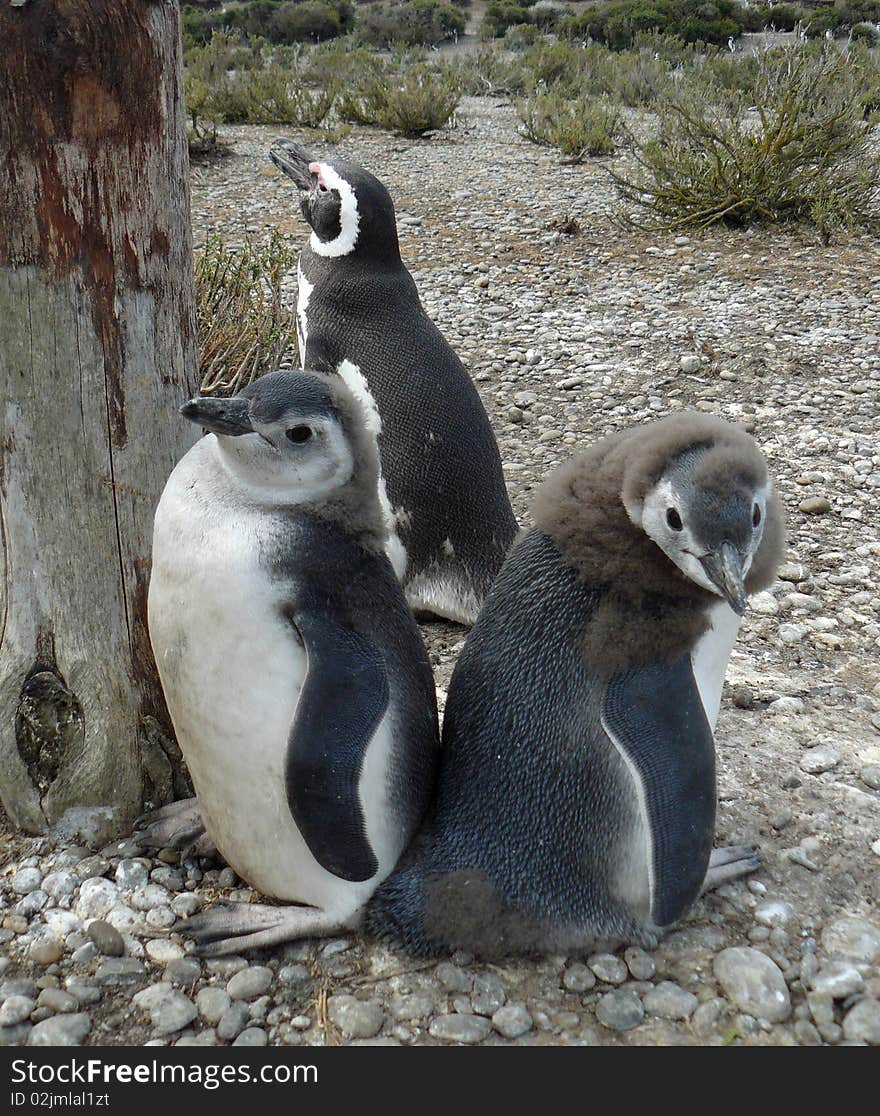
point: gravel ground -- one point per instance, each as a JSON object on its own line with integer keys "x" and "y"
{"x": 569, "y": 336}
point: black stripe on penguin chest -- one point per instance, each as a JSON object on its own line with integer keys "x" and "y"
{"x": 657, "y": 718}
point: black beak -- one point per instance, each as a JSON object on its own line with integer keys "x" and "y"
{"x": 724, "y": 569}
{"x": 221, "y": 416}
{"x": 294, "y": 161}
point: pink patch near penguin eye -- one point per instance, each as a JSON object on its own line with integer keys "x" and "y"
{"x": 315, "y": 169}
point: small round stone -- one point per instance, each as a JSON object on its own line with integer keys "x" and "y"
{"x": 815, "y": 505}
{"x": 669, "y": 1001}
{"x": 512, "y": 1020}
{"x": 212, "y": 1002}
{"x": 132, "y": 874}
{"x": 161, "y": 950}
{"x": 620, "y": 1010}
{"x": 862, "y": 1022}
{"x": 233, "y": 1021}
{"x": 690, "y": 363}
{"x": 106, "y": 938}
{"x": 608, "y": 968}
{"x": 25, "y": 881}
{"x": 819, "y": 759}
{"x": 45, "y": 950}
{"x": 774, "y": 913}
{"x": 578, "y": 977}
{"x": 852, "y": 937}
{"x": 754, "y": 982}
{"x": 453, "y": 978}
{"x": 183, "y": 970}
{"x": 60, "y": 885}
{"x": 15, "y": 1009}
{"x": 57, "y": 1000}
{"x": 488, "y": 994}
{"x": 96, "y": 897}
{"x": 256, "y": 980}
{"x": 640, "y": 964}
{"x": 460, "y": 1028}
{"x": 838, "y": 979}
{"x": 355, "y": 1018}
{"x": 252, "y": 1036}
{"x": 172, "y": 1012}
{"x": 61, "y": 1030}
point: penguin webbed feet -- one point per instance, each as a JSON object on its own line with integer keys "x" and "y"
{"x": 232, "y": 927}
{"x": 177, "y": 826}
{"x": 730, "y": 862}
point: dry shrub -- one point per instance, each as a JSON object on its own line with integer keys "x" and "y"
{"x": 577, "y": 127}
{"x": 243, "y": 327}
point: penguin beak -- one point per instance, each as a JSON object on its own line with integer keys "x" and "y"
{"x": 294, "y": 161}
{"x": 220, "y": 416}
{"x": 724, "y": 569}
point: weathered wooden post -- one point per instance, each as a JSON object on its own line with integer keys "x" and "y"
{"x": 97, "y": 350}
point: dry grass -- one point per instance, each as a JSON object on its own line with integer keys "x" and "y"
{"x": 244, "y": 328}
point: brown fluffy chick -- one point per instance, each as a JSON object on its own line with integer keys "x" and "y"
{"x": 576, "y": 799}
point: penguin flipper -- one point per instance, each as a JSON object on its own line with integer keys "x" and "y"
{"x": 343, "y": 700}
{"x": 655, "y": 718}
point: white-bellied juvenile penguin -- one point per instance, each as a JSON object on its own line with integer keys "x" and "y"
{"x": 441, "y": 485}
{"x": 576, "y": 798}
{"x": 295, "y": 675}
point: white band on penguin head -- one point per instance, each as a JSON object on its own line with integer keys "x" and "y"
{"x": 349, "y": 218}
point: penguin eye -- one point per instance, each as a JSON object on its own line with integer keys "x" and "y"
{"x": 322, "y": 189}
{"x": 299, "y": 434}
{"x": 756, "y": 516}
{"x": 674, "y": 520}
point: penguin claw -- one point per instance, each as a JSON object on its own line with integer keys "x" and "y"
{"x": 232, "y": 927}
{"x": 731, "y": 863}
{"x": 177, "y": 826}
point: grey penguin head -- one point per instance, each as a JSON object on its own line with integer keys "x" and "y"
{"x": 293, "y": 437}
{"x": 349, "y": 210}
{"x": 705, "y": 502}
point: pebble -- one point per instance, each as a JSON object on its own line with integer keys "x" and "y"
{"x": 45, "y": 950}
{"x": 620, "y": 1010}
{"x": 870, "y": 775}
{"x": 669, "y": 1001}
{"x": 640, "y": 964}
{"x": 854, "y": 938}
{"x": 25, "y": 881}
{"x": 252, "y": 1036}
{"x": 608, "y": 968}
{"x": 355, "y": 1018}
{"x": 60, "y": 885}
{"x": 119, "y": 970}
{"x": 753, "y": 982}
{"x": 132, "y": 874}
{"x": 774, "y": 912}
{"x": 690, "y": 363}
{"x": 162, "y": 951}
{"x": 815, "y": 505}
{"x": 488, "y": 994}
{"x": 578, "y": 978}
{"x": 183, "y": 970}
{"x": 57, "y": 1000}
{"x": 460, "y": 1028}
{"x": 820, "y": 759}
{"x": 233, "y": 1021}
{"x": 211, "y": 1003}
{"x": 15, "y": 1009}
{"x": 106, "y": 938}
{"x": 786, "y": 705}
{"x": 453, "y": 978}
{"x": 512, "y": 1020}
{"x": 96, "y": 897}
{"x": 250, "y": 983}
{"x": 61, "y": 1030}
{"x": 862, "y": 1022}
{"x": 172, "y": 1012}
{"x": 838, "y": 979}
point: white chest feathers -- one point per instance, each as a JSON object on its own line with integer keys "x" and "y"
{"x": 710, "y": 656}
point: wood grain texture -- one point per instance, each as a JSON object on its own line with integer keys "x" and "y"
{"x": 97, "y": 351}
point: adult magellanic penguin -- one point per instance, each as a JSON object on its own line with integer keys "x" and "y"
{"x": 358, "y": 313}
{"x": 576, "y": 796}
{"x": 295, "y": 675}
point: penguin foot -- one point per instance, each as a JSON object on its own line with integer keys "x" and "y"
{"x": 178, "y": 826}
{"x": 232, "y": 927}
{"x": 730, "y": 863}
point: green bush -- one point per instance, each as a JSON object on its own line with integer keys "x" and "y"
{"x": 488, "y": 72}
{"x": 784, "y": 17}
{"x": 521, "y": 36}
{"x": 501, "y": 14}
{"x": 577, "y": 127}
{"x": 805, "y": 156}
{"x": 278, "y": 23}
{"x": 244, "y": 328}
{"x": 410, "y": 23}
{"x": 410, "y": 104}
{"x": 617, "y": 24}
{"x": 865, "y": 33}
